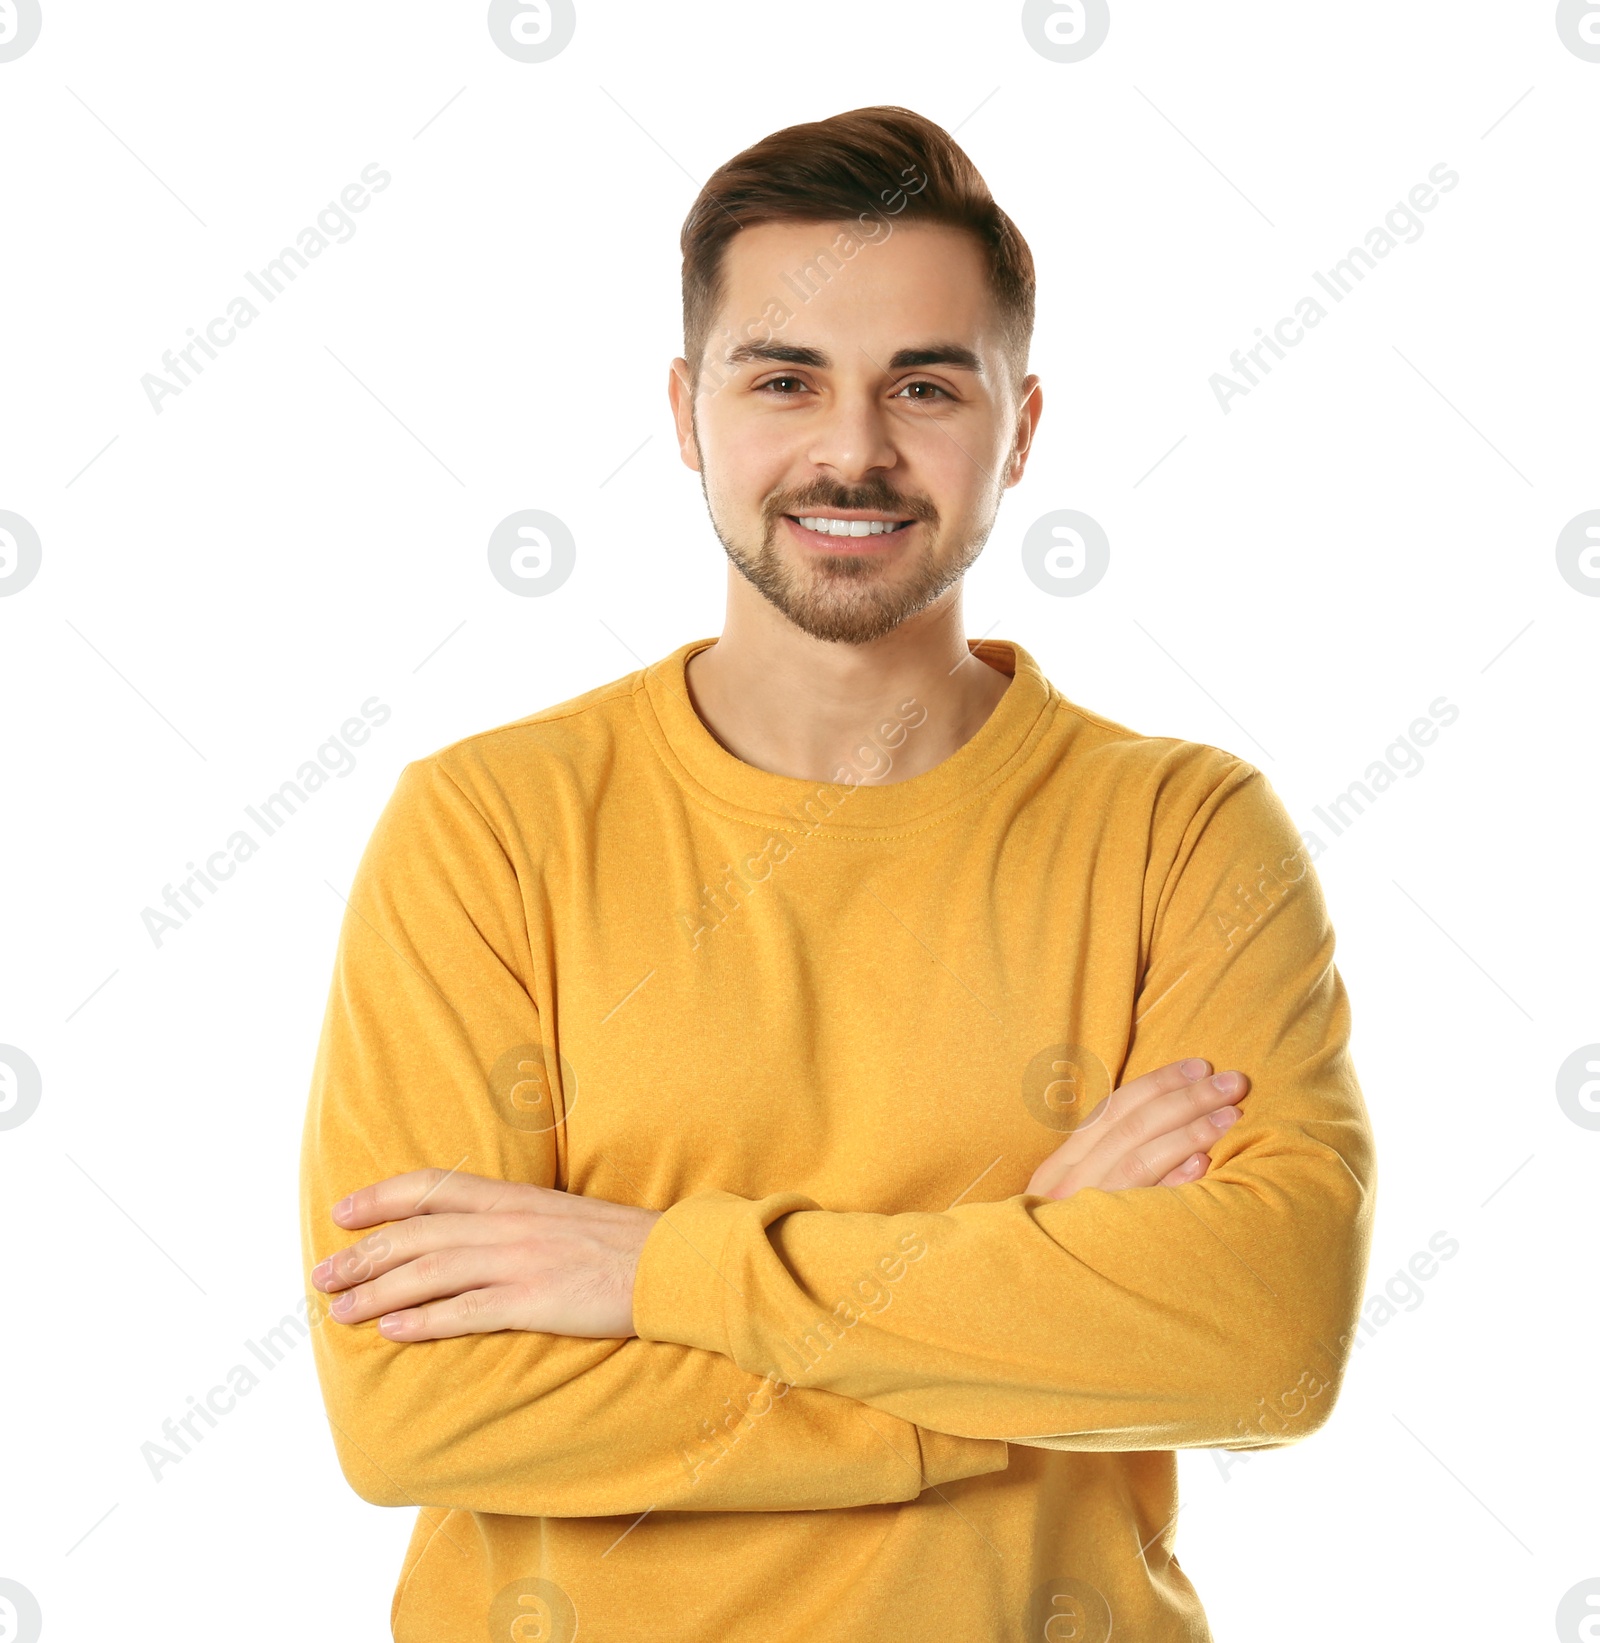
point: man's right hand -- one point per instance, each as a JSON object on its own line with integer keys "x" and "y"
{"x": 1156, "y": 1130}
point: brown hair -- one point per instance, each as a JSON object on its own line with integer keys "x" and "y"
{"x": 850, "y": 166}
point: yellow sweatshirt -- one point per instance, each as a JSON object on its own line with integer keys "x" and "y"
{"x": 879, "y": 1391}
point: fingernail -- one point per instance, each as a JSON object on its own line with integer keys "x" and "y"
{"x": 1224, "y": 1116}
{"x": 322, "y": 1272}
{"x": 1193, "y": 1068}
{"x": 343, "y": 1303}
{"x": 1226, "y": 1082}
{"x": 342, "y": 1208}
{"x": 392, "y": 1323}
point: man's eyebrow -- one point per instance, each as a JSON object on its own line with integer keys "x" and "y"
{"x": 953, "y": 354}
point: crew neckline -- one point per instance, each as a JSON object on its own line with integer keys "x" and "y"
{"x": 795, "y": 804}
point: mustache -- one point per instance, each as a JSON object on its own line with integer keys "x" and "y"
{"x": 877, "y": 498}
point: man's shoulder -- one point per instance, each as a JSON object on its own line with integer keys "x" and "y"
{"x": 1171, "y": 797}
{"x": 565, "y": 733}
{"x": 1175, "y": 769}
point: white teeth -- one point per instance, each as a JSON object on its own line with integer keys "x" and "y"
{"x": 851, "y": 527}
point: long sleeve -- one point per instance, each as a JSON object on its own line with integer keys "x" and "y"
{"x": 1215, "y": 1314}
{"x": 432, "y": 1002}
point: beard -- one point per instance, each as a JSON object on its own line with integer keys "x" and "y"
{"x": 849, "y": 599}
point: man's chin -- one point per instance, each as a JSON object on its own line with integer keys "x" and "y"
{"x": 845, "y": 601}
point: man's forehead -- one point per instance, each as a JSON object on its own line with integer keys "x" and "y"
{"x": 820, "y": 295}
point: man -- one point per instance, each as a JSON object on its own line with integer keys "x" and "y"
{"x": 779, "y": 1080}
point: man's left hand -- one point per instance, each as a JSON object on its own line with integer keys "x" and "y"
{"x": 469, "y": 1255}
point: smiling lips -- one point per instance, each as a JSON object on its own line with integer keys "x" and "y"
{"x": 846, "y": 533}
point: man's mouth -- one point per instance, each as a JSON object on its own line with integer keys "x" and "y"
{"x": 843, "y": 534}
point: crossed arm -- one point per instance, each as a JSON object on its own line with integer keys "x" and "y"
{"x": 462, "y": 1254}
{"x": 557, "y": 1354}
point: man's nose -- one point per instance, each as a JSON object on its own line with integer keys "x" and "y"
{"x": 853, "y": 437}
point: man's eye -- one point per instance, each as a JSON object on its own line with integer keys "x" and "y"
{"x": 775, "y": 385}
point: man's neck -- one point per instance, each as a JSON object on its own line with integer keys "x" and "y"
{"x": 793, "y": 705}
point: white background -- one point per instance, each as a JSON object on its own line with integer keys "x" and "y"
{"x": 304, "y": 527}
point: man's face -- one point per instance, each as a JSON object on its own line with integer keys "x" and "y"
{"x": 884, "y": 397}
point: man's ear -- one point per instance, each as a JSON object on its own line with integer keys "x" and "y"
{"x": 680, "y": 395}
{"x": 1031, "y": 404}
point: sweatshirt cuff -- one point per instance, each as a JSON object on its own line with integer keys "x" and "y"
{"x": 681, "y": 1295}
{"x": 679, "y": 1292}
